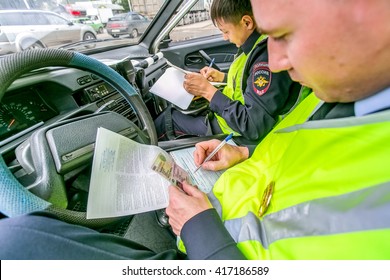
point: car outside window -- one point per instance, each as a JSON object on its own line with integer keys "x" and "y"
{"x": 135, "y": 17}
{"x": 54, "y": 20}
{"x": 34, "y": 19}
{"x": 129, "y": 23}
{"x": 30, "y": 29}
{"x": 195, "y": 24}
{"x": 11, "y": 19}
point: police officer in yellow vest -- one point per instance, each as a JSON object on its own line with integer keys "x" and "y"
{"x": 318, "y": 185}
{"x": 252, "y": 101}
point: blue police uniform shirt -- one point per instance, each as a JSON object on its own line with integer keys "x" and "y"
{"x": 372, "y": 104}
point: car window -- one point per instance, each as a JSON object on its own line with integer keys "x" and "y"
{"x": 22, "y": 18}
{"x": 55, "y": 20}
{"x": 109, "y": 22}
{"x": 135, "y": 17}
{"x": 34, "y": 19}
{"x": 195, "y": 24}
{"x": 10, "y": 19}
{"x": 117, "y": 18}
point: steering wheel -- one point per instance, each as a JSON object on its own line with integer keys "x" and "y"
{"x": 46, "y": 145}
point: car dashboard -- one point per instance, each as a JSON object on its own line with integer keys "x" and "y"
{"x": 61, "y": 108}
{"x": 49, "y": 119}
{"x": 54, "y": 94}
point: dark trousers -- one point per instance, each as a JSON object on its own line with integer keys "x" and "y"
{"x": 41, "y": 236}
{"x": 183, "y": 125}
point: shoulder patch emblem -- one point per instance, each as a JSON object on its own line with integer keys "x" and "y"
{"x": 261, "y": 78}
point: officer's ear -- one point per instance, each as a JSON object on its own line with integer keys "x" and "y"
{"x": 248, "y": 22}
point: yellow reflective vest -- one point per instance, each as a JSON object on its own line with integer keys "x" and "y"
{"x": 233, "y": 88}
{"x": 331, "y": 189}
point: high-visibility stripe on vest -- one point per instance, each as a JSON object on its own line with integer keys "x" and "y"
{"x": 233, "y": 88}
{"x": 331, "y": 196}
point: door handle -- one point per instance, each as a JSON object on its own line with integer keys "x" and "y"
{"x": 191, "y": 60}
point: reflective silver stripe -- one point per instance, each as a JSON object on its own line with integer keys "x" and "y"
{"x": 215, "y": 202}
{"x": 247, "y": 228}
{"x": 362, "y": 210}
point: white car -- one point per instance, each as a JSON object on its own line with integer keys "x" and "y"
{"x": 27, "y": 29}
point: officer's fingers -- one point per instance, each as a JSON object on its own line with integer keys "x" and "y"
{"x": 210, "y": 73}
{"x": 181, "y": 209}
{"x": 191, "y": 190}
{"x": 198, "y": 81}
{"x": 174, "y": 193}
{"x": 209, "y": 145}
{"x": 189, "y": 86}
{"x": 188, "y": 79}
{"x": 199, "y": 154}
{"x": 204, "y": 70}
{"x": 225, "y": 158}
{"x": 214, "y": 165}
{"x": 190, "y": 75}
{"x": 185, "y": 83}
{"x": 202, "y": 149}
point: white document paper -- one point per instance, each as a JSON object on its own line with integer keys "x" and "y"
{"x": 170, "y": 87}
{"x": 178, "y": 68}
{"x": 204, "y": 179}
{"x": 122, "y": 181}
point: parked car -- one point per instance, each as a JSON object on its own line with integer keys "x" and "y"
{"x": 131, "y": 23}
{"x": 92, "y": 21}
{"x": 28, "y": 29}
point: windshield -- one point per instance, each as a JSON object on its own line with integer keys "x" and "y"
{"x": 75, "y": 25}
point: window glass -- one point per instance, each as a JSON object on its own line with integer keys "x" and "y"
{"x": 10, "y": 19}
{"x": 117, "y": 17}
{"x": 54, "y": 20}
{"x": 135, "y": 17}
{"x": 34, "y": 19}
{"x": 195, "y": 24}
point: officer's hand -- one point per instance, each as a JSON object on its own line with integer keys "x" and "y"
{"x": 183, "y": 205}
{"x": 198, "y": 85}
{"x": 212, "y": 74}
{"x": 226, "y": 157}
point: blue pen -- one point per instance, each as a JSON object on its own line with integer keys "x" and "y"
{"x": 211, "y": 63}
{"x": 215, "y": 150}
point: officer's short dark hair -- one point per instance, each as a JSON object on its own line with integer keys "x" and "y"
{"x": 230, "y": 11}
